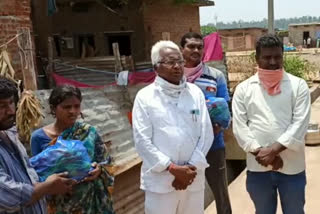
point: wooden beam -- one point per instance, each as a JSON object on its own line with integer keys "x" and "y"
{"x": 116, "y": 53}
{"x": 50, "y": 67}
{"x": 270, "y": 16}
{"x": 27, "y": 59}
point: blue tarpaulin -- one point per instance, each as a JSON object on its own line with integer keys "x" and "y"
{"x": 288, "y": 48}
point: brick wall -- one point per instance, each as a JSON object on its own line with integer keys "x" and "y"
{"x": 14, "y": 14}
{"x": 241, "y": 39}
{"x": 162, "y": 17}
{"x": 97, "y": 21}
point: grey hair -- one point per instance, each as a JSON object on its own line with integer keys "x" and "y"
{"x": 161, "y": 45}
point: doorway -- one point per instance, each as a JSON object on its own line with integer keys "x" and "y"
{"x": 306, "y": 35}
{"x": 86, "y": 45}
{"x": 124, "y": 41}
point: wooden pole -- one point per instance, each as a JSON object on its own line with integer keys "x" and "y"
{"x": 131, "y": 63}
{"x": 49, "y": 69}
{"x": 116, "y": 53}
{"x": 27, "y": 59}
{"x": 270, "y": 16}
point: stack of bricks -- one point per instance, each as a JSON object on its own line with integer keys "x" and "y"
{"x": 14, "y": 15}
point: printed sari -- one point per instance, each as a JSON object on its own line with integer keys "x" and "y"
{"x": 92, "y": 197}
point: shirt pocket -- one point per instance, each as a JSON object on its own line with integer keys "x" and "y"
{"x": 191, "y": 121}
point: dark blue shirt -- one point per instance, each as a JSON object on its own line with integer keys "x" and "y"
{"x": 39, "y": 141}
{"x": 213, "y": 83}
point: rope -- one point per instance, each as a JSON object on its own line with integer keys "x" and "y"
{"x": 11, "y": 40}
{"x": 23, "y": 55}
{"x": 84, "y": 68}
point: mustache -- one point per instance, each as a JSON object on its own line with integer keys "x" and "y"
{"x": 195, "y": 54}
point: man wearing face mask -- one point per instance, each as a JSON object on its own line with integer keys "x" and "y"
{"x": 213, "y": 84}
{"x": 172, "y": 134}
{"x": 271, "y": 112}
{"x": 20, "y": 191}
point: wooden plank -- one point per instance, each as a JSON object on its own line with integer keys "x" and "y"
{"x": 314, "y": 92}
{"x": 50, "y": 67}
{"x": 313, "y": 138}
{"x": 116, "y": 53}
{"x": 27, "y": 59}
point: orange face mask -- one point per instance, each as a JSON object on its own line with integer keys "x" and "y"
{"x": 271, "y": 80}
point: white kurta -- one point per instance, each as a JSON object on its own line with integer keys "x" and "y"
{"x": 171, "y": 130}
{"x": 259, "y": 120}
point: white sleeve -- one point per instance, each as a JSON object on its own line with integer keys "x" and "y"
{"x": 198, "y": 158}
{"x": 240, "y": 128}
{"x": 142, "y": 134}
{"x": 293, "y": 137}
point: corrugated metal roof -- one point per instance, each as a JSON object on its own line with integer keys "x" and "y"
{"x": 99, "y": 71}
{"x": 128, "y": 198}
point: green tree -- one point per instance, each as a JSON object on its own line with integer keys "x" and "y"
{"x": 207, "y": 29}
{"x": 295, "y": 66}
{"x": 279, "y": 23}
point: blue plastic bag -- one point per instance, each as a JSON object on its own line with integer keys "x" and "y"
{"x": 219, "y": 111}
{"x": 64, "y": 156}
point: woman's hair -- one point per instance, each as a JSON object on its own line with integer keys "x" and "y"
{"x": 61, "y": 93}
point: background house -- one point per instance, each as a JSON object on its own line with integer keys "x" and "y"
{"x": 241, "y": 39}
{"x": 135, "y": 26}
{"x": 299, "y": 32}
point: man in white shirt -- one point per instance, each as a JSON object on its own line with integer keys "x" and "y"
{"x": 271, "y": 112}
{"x": 309, "y": 42}
{"x": 172, "y": 133}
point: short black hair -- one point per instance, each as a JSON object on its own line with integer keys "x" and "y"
{"x": 8, "y": 89}
{"x": 61, "y": 93}
{"x": 189, "y": 35}
{"x": 268, "y": 41}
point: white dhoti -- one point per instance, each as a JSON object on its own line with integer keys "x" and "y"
{"x": 176, "y": 202}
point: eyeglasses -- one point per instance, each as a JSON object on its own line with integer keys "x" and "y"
{"x": 172, "y": 63}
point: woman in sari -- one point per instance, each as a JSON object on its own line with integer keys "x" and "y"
{"x": 92, "y": 195}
